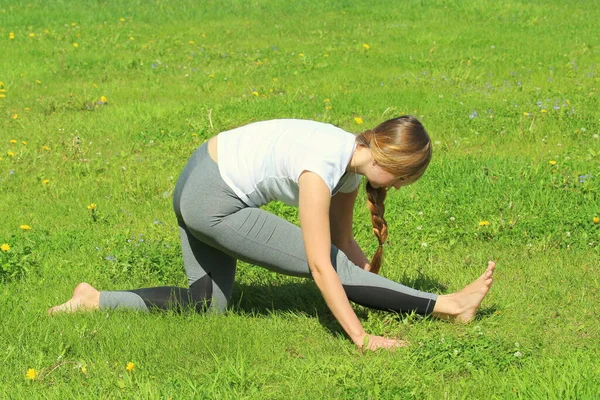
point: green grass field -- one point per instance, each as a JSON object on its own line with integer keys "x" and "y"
{"x": 103, "y": 102}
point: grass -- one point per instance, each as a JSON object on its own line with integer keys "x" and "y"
{"x": 507, "y": 91}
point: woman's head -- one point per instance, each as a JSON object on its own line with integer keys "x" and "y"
{"x": 401, "y": 148}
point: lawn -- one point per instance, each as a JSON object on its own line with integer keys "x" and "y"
{"x": 101, "y": 104}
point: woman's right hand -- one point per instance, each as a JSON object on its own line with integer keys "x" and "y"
{"x": 373, "y": 342}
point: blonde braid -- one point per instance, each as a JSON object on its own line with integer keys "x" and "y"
{"x": 376, "y": 198}
{"x": 400, "y": 146}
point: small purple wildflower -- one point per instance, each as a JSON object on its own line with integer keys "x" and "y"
{"x": 556, "y": 107}
{"x": 154, "y": 66}
{"x": 582, "y": 178}
{"x": 111, "y": 258}
{"x": 474, "y": 114}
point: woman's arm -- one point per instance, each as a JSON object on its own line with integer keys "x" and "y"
{"x": 314, "y": 220}
{"x": 340, "y": 217}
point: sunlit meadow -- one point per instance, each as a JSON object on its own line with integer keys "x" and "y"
{"x": 101, "y": 104}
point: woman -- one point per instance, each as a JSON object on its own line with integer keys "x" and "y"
{"x": 316, "y": 167}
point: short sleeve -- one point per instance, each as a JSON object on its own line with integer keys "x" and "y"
{"x": 322, "y": 168}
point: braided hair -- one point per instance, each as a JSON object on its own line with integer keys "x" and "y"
{"x": 402, "y": 147}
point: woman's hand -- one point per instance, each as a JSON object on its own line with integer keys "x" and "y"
{"x": 373, "y": 342}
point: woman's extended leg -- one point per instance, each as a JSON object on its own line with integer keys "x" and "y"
{"x": 259, "y": 237}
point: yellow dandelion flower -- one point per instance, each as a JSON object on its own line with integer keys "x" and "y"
{"x": 46, "y": 148}
{"x": 328, "y": 107}
{"x": 45, "y": 181}
{"x": 103, "y": 99}
{"x": 73, "y": 23}
{"x": 11, "y": 35}
{"x": 130, "y": 366}
{"x": 366, "y": 46}
{"x": 38, "y": 81}
{"x": 84, "y": 370}
{"x": 301, "y": 55}
{"x": 211, "y": 76}
{"x": 75, "y": 45}
{"x": 24, "y": 143}
{"x": 13, "y": 141}
{"x": 325, "y": 55}
{"x": 552, "y": 162}
{"x": 32, "y": 34}
{"x": 5, "y": 247}
{"x": 10, "y": 153}
{"x": 596, "y": 220}
{"x": 358, "y": 120}
{"x": 544, "y": 111}
{"x": 25, "y": 227}
{"x": 31, "y": 374}
{"x": 327, "y": 101}
{"x": 15, "y": 116}
{"x": 27, "y": 109}
{"x": 484, "y": 223}
{"x": 122, "y": 19}
{"x": 2, "y": 95}
{"x": 91, "y": 207}
{"x": 255, "y": 93}
{"x": 192, "y": 42}
{"x": 194, "y": 135}
{"x": 131, "y": 38}
{"x": 527, "y": 114}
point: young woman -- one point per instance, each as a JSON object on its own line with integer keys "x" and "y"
{"x": 316, "y": 167}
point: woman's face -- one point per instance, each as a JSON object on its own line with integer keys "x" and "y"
{"x": 378, "y": 177}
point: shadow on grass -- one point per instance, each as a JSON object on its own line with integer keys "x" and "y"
{"x": 486, "y": 312}
{"x": 304, "y": 297}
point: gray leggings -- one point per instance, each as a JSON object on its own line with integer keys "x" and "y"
{"x": 217, "y": 229}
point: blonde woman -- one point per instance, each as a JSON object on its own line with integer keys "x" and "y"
{"x": 314, "y": 166}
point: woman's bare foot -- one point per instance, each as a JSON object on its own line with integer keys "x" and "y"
{"x": 462, "y": 306}
{"x": 85, "y": 297}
